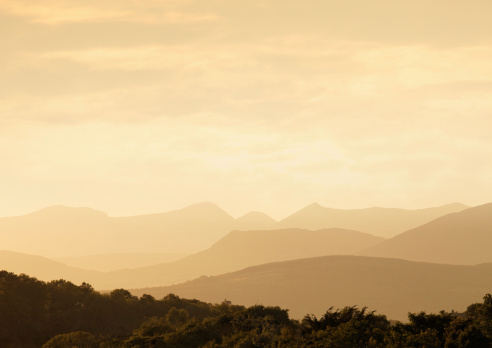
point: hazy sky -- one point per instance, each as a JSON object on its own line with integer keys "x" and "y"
{"x": 144, "y": 106}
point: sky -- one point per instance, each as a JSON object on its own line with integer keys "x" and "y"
{"x": 135, "y": 107}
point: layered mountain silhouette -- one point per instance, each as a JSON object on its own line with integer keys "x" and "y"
{"x": 385, "y": 222}
{"x": 62, "y": 231}
{"x": 389, "y": 286}
{"x": 459, "y": 238}
{"x": 239, "y": 249}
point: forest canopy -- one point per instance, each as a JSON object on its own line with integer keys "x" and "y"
{"x": 59, "y": 313}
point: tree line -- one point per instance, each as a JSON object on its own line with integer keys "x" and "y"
{"x": 59, "y": 313}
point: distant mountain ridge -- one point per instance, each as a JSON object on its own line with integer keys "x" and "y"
{"x": 59, "y": 211}
{"x": 390, "y": 286}
{"x": 460, "y": 238}
{"x": 384, "y": 222}
{"x": 60, "y": 231}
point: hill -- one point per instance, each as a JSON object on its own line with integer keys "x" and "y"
{"x": 458, "y": 238}
{"x": 45, "y": 269}
{"x": 385, "y": 222}
{"x": 113, "y": 262}
{"x": 390, "y": 286}
{"x": 240, "y": 249}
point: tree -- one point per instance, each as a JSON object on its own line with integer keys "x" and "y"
{"x": 77, "y": 339}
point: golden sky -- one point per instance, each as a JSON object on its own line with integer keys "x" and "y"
{"x": 134, "y": 107}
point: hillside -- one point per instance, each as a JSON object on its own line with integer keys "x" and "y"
{"x": 385, "y": 222}
{"x": 45, "y": 269}
{"x": 458, "y": 238}
{"x": 240, "y": 249}
{"x": 113, "y": 262}
{"x": 392, "y": 287}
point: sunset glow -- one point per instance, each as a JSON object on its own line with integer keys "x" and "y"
{"x": 138, "y": 107}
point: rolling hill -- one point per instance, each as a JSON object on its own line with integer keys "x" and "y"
{"x": 113, "y": 262}
{"x": 390, "y": 286}
{"x": 240, "y": 249}
{"x": 459, "y": 238}
{"x": 45, "y": 269}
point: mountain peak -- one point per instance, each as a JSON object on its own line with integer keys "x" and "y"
{"x": 254, "y": 220}
{"x": 205, "y": 207}
{"x": 315, "y": 206}
{"x": 62, "y": 210}
{"x": 206, "y": 210}
{"x": 456, "y": 205}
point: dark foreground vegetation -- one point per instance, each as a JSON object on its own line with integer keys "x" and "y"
{"x": 60, "y": 314}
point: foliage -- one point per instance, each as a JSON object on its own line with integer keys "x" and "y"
{"x": 61, "y": 314}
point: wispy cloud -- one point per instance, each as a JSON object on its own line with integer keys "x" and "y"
{"x": 57, "y": 12}
{"x": 286, "y": 85}
{"x": 63, "y": 11}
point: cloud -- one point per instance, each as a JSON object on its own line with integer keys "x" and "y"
{"x": 57, "y": 12}
{"x": 63, "y": 11}
{"x": 288, "y": 85}
{"x": 308, "y": 104}
{"x": 383, "y": 21}
{"x": 136, "y": 58}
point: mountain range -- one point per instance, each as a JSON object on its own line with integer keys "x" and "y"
{"x": 305, "y": 270}
{"x": 456, "y": 238}
{"x": 61, "y": 232}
